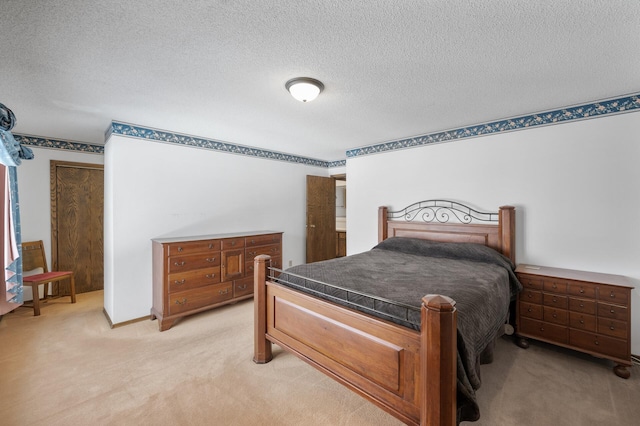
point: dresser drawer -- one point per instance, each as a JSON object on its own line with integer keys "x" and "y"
{"x": 542, "y": 330}
{"x": 608, "y": 311}
{"x": 183, "y": 301}
{"x": 613, "y": 328}
{"x": 554, "y": 286}
{"x": 190, "y": 247}
{"x": 276, "y": 262}
{"x": 607, "y": 293}
{"x": 194, "y": 261}
{"x": 191, "y": 279}
{"x": 232, "y": 243}
{"x": 582, "y": 321}
{"x": 586, "y": 290}
{"x": 556, "y": 316}
{"x": 262, "y": 240}
{"x": 529, "y": 282}
{"x": 555, "y": 300}
{"x": 531, "y": 296}
{"x": 604, "y": 345}
{"x": 243, "y": 287}
{"x": 271, "y": 250}
{"x": 585, "y": 306}
{"x": 531, "y": 310}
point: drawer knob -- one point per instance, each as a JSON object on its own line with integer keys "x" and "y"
{"x": 253, "y": 253}
{"x": 242, "y": 287}
{"x": 554, "y": 286}
{"x": 581, "y": 290}
{"x": 529, "y": 295}
{"x": 582, "y": 305}
{"x": 612, "y": 295}
{"x": 597, "y": 343}
{"x": 179, "y": 249}
{"x": 176, "y": 282}
{"x": 253, "y": 241}
{"x": 225, "y": 291}
{"x": 210, "y": 245}
{"x": 210, "y": 275}
{"x": 179, "y": 264}
{"x": 612, "y": 328}
{"x": 555, "y": 315}
{"x": 210, "y": 259}
{"x": 529, "y": 310}
{"x": 581, "y": 321}
{"x": 233, "y": 243}
{"x": 612, "y": 311}
{"x": 181, "y": 302}
{"x": 555, "y": 300}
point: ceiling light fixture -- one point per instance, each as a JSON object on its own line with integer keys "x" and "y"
{"x": 304, "y": 89}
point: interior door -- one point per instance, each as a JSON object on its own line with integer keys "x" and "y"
{"x": 77, "y": 223}
{"x": 321, "y": 218}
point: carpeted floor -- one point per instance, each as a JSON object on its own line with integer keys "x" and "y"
{"x": 67, "y": 367}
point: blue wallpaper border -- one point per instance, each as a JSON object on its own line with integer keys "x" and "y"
{"x": 581, "y": 112}
{"x": 619, "y": 105}
{"x": 131, "y": 130}
{"x": 40, "y": 142}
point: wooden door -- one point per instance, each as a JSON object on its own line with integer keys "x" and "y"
{"x": 321, "y": 218}
{"x": 77, "y": 223}
{"x": 232, "y": 264}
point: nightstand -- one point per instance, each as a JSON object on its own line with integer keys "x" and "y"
{"x": 585, "y": 311}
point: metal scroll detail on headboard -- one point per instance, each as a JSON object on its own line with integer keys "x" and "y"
{"x": 442, "y": 211}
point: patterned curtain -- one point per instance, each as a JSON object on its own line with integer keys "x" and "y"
{"x": 11, "y": 154}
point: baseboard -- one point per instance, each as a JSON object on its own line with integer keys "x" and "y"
{"x": 635, "y": 359}
{"x": 120, "y": 324}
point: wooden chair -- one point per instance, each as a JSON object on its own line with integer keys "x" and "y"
{"x": 33, "y": 257}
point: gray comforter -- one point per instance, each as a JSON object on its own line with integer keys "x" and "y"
{"x": 403, "y": 270}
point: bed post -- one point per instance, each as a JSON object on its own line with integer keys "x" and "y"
{"x": 261, "y": 346}
{"x": 438, "y": 361}
{"x": 382, "y": 224}
{"x": 507, "y": 231}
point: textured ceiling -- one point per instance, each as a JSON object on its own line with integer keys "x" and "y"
{"x": 391, "y": 69}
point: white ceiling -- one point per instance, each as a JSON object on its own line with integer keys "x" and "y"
{"x": 391, "y": 69}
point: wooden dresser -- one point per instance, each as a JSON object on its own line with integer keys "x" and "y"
{"x": 194, "y": 274}
{"x": 585, "y": 311}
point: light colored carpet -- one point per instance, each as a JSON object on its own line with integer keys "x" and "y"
{"x": 67, "y": 367}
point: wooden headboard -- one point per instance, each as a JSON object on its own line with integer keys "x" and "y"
{"x": 450, "y": 221}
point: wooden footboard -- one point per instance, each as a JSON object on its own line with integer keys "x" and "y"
{"x": 409, "y": 374}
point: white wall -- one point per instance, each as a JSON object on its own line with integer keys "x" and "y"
{"x": 155, "y": 190}
{"x": 34, "y": 193}
{"x": 574, "y": 185}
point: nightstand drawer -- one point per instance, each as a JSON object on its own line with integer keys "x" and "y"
{"x": 556, "y": 316}
{"x": 582, "y": 321}
{"x": 613, "y": 328}
{"x": 616, "y": 348}
{"x": 582, "y": 305}
{"x": 608, "y": 311}
{"x": 555, "y": 300}
{"x": 531, "y": 310}
{"x": 542, "y": 330}
{"x": 586, "y": 290}
{"x": 611, "y": 294}
{"x": 529, "y": 282}
{"x": 190, "y": 247}
{"x": 531, "y": 296}
{"x": 554, "y": 286}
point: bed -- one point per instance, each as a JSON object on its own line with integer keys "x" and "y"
{"x": 417, "y": 355}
